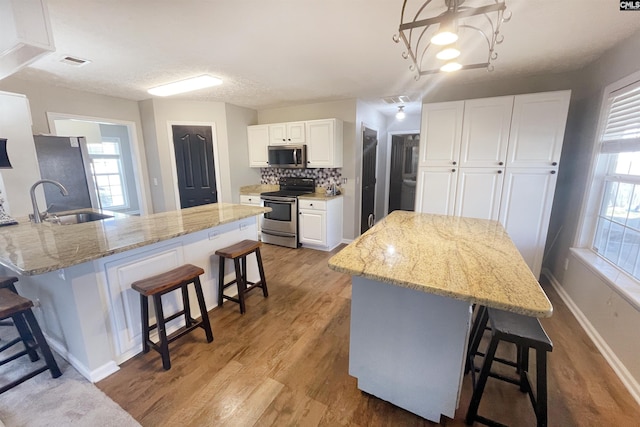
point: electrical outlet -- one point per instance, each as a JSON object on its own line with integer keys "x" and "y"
{"x": 213, "y": 234}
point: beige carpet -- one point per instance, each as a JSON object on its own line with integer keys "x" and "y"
{"x": 45, "y": 401}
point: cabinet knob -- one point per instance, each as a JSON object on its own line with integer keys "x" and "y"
{"x": 453, "y": 170}
{"x": 500, "y": 163}
{"x": 289, "y": 139}
{"x": 499, "y": 171}
{"x": 455, "y": 163}
{"x": 310, "y": 204}
{"x": 552, "y": 172}
{"x": 554, "y": 164}
{"x": 308, "y": 161}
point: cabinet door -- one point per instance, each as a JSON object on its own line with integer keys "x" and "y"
{"x": 258, "y": 139}
{"x": 485, "y": 132}
{"x": 436, "y": 190}
{"x": 296, "y": 133}
{"x": 313, "y": 227}
{"x": 527, "y": 197}
{"x": 478, "y": 192}
{"x": 321, "y": 143}
{"x": 537, "y": 129}
{"x": 278, "y": 134}
{"x": 441, "y": 131}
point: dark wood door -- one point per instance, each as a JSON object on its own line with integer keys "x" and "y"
{"x": 369, "y": 145}
{"x": 193, "y": 147}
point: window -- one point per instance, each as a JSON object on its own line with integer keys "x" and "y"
{"x": 617, "y": 223}
{"x": 106, "y": 167}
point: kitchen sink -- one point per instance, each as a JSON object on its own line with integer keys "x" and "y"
{"x": 77, "y": 218}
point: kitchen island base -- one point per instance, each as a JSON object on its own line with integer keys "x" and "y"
{"x": 407, "y": 347}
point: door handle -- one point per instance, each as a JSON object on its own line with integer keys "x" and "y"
{"x": 370, "y": 220}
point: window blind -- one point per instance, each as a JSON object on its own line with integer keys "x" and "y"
{"x": 622, "y": 131}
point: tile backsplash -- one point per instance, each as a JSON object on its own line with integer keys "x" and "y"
{"x": 324, "y": 177}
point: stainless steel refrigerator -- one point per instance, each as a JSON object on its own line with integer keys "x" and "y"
{"x": 66, "y": 160}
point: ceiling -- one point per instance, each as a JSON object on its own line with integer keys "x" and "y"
{"x": 274, "y": 53}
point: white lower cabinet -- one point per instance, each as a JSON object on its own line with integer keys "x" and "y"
{"x": 320, "y": 223}
{"x": 527, "y": 198}
{"x": 251, "y": 200}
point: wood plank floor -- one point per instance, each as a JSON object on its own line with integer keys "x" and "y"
{"x": 285, "y": 362}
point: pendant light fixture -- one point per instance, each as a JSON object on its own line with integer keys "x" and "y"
{"x": 435, "y": 39}
{"x": 400, "y": 115}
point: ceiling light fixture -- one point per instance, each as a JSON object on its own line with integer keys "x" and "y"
{"x": 187, "y": 85}
{"x": 457, "y": 23}
{"x": 400, "y": 115}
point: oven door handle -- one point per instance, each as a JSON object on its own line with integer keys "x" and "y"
{"x": 275, "y": 233}
{"x": 289, "y": 200}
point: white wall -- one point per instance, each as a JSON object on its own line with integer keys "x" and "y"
{"x": 238, "y": 118}
{"x": 612, "y": 320}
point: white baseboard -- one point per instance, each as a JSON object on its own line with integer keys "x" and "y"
{"x": 92, "y": 375}
{"x": 618, "y": 367}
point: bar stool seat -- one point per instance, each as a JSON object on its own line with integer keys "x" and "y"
{"x": 238, "y": 253}
{"x": 155, "y": 287}
{"x": 18, "y": 309}
{"x": 526, "y": 333}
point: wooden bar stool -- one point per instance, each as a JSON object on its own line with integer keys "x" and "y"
{"x": 526, "y": 333}
{"x": 238, "y": 253}
{"x": 18, "y": 309}
{"x": 158, "y": 285}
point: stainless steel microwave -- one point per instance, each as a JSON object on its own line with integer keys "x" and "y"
{"x": 287, "y": 156}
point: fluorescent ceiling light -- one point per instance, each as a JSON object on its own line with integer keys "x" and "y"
{"x": 187, "y": 85}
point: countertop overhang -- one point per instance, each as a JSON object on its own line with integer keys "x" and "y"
{"x": 31, "y": 249}
{"x": 462, "y": 258}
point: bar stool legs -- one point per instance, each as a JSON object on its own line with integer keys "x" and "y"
{"x": 238, "y": 253}
{"x": 156, "y": 286}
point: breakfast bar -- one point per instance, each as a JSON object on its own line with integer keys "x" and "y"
{"x": 415, "y": 278}
{"x": 79, "y": 276}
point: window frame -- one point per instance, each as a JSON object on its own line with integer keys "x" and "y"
{"x": 125, "y": 192}
{"x": 600, "y": 174}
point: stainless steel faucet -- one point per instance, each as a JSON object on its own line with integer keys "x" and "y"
{"x": 37, "y": 217}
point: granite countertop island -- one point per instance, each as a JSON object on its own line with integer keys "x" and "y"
{"x": 80, "y": 275}
{"x": 415, "y": 277}
{"x": 31, "y": 249}
{"x": 463, "y": 258}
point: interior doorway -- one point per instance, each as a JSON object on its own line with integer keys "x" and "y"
{"x": 195, "y": 165}
{"x": 369, "y": 155}
{"x": 114, "y": 158}
{"x": 403, "y": 171}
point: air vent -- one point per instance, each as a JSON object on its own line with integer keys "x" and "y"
{"x": 76, "y": 62}
{"x": 399, "y": 99}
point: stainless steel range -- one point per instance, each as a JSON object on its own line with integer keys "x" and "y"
{"x": 280, "y": 226}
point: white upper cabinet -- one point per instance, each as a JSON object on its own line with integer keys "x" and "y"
{"x": 485, "y": 132}
{"x": 258, "y": 139}
{"x": 442, "y": 130}
{"x": 287, "y": 133}
{"x": 324, "y": 143}
{"x": 537, "y": 129}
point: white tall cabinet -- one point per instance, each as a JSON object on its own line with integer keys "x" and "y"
{"x": 495, "y": 158}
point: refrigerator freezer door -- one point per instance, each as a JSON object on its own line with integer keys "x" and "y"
{"x": 61, "y": 159}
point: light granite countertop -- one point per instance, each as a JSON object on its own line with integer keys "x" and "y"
{"x": 468, "y": 259}
{"x": 31, "y": 249}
